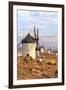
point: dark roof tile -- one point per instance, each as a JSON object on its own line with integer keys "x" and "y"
{"x": 28, "y": 39}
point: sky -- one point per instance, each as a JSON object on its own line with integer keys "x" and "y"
{"x": 45, "y": 21}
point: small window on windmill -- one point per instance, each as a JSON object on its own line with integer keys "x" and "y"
{"x": 27, "y": 53}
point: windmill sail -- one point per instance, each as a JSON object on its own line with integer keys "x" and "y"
{"x": 37, "y": 38}
{"x": 37, "y": 34}
{"x": 34, "y": 33}
{"x": 19, "y": 43}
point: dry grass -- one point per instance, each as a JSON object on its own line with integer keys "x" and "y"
{"x": 28, "y": 68}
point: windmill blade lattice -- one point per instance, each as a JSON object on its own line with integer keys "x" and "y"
{"x": 19, "y": 44}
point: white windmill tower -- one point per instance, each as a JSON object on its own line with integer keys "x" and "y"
{"x": 28, "y": 46}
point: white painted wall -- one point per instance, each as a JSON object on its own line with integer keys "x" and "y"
{"x": 19, "y": 53}
{"x": 49, "y": 51}
{"x": 37, "y": 53}
{"x": 42, "y": 50}
{"x": 29, "y": 48}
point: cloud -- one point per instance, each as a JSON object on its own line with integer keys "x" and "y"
{"x": 47, "y": 22}
{"x": 49, "y": 41}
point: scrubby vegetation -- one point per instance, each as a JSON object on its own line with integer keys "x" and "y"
{"x": 28, "y": 68}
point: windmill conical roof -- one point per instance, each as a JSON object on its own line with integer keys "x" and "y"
{"x": 28, "y": 39}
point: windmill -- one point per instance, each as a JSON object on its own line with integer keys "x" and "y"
{"x": 28, "y": 46}
{"x": 30, "y": 43}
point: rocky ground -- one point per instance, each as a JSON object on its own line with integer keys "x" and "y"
{"x": 28, "y": 68}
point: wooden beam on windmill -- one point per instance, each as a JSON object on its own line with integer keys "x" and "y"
{"x": 37, "y": 38}
{"x": 34, "y": 33}
{"x": 19, "y": 43}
